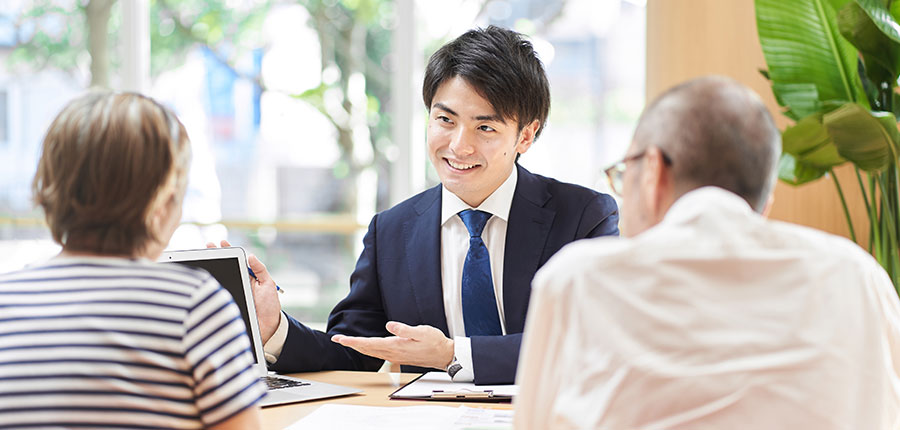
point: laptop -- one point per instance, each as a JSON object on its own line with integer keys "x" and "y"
{"x": 229, "y": 267}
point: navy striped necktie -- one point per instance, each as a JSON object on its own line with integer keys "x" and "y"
{"x": 479, "y": 305}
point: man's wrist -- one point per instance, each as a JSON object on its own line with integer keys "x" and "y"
{"x": 453, "y": 368}
{"x": 277, "y": 324}
{"x": 273, "y": 346}
{"x": 449, "y": 351}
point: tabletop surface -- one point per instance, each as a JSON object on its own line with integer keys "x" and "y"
{"x": 376, "y": 386}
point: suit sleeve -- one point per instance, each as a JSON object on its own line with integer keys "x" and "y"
{"x": 494, "y": 358}
{"x": 600, "y": 218}
{"x": 361, "y": 313}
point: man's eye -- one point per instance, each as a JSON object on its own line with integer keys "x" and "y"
{"x": 486, "y": 128}
{"x": 443, "y": 118}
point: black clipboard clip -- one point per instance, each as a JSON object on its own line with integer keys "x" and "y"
{"x": 462, "y": 395}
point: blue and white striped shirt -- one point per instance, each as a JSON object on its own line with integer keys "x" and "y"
{"x": 93, "y": 342}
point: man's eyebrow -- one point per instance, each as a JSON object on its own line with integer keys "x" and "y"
{"x": 492, "y": 117}
{"x": 444, "y": 107}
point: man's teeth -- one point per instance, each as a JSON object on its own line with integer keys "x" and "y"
{"x": 460, "y": 166}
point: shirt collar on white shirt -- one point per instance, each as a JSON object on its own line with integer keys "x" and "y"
{"x": 497, "y": 204}
{"x": 700, "y": 200}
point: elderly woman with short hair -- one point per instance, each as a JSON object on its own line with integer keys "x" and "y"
{"x": 101, "y": 336}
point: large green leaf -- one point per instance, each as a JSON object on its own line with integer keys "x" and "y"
{"x": 802, "y": 45}
{"x": 808, "y": 151}
{"x": 797, "y": 173}
{"x": 883, "y": 17}
{"x": 888, "y": 122}
{"x": 880, "y": 53}
{"x": 810, "y": 143}
{"x": 866, "y": 139}
{"x": 803, "y": 99}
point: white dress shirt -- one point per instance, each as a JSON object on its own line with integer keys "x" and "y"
{"x": 454, "y": 246}
{"x": 714, "y": 319}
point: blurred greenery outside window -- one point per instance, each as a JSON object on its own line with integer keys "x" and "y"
{"x": 289, "y": 107}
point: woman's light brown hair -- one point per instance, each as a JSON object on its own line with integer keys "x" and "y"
{"x": 106, "y": 159}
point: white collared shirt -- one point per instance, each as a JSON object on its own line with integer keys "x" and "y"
{"x": 455, "y": 246}
{"x": 714, "y": 319}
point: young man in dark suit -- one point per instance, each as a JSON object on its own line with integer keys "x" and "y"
{"x": 445, "y": 276}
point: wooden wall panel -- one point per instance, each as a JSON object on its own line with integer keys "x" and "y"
{"x": 690, "y": 38}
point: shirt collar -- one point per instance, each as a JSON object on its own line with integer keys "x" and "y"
{"x": 497, "y": 204}
{"x": 697, "y": 202}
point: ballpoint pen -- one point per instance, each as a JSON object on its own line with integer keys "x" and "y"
{"x": 277, "y": 288}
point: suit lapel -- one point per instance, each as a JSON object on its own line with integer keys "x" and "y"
{"x": 422, "y": 238}
{"x": 526, "y": 235}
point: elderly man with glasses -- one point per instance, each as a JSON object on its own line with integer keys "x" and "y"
{"x": 707, "y": 315}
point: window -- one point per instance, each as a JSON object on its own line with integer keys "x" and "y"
{"x": 306, "y": 117}
{"x": 4, "y": 118}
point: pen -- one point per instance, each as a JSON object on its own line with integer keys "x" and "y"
{"x": 277, "y": 288}
{"x": 468, "y": 394}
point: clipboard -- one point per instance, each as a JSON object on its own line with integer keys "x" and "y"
{"x": 437, "y": 386}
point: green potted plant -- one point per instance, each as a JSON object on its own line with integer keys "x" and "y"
{"x": 833, "y": 66}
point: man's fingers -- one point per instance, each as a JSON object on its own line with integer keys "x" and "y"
{"x": 402, "y": 330}
{"x": 374, "y": 346}
{"x": 434, "y": 351}
{"x": 344, "y": 340}
{"x": 369, "y": 344}
{"x": 259, "y": 269}
{"x": 223, "y": 244}
{"x": 357, "y": 342}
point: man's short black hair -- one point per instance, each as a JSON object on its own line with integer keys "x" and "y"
{"x": 502, "y": 67}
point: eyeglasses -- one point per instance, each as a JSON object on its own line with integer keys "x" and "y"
{"x": 616, "y": 172}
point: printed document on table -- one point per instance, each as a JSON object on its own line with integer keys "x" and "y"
{"x": 343, "y": 417}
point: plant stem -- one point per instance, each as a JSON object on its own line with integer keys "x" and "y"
{"x": 894, "y": 254}
{"x": 862, "y": 189}
{"x": 874, "y": 219}
{"x": 890, "y": 246}
{"x": 890, "y": 187}
{"x": 843, "y": 204}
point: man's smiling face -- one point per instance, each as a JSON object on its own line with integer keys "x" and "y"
{"x": 471, "y": 147}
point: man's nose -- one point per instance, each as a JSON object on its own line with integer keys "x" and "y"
{"x": 462, "y": 142}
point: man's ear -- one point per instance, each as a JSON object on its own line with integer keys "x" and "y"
{"x": 526, "y": 136}
{"x": 656, "y": 183}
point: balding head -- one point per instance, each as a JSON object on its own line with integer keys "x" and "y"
{"x": 717, "y": 132}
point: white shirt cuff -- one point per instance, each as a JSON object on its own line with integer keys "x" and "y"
{"x": 462, "y": 348}
{"x": 273, "y": 347}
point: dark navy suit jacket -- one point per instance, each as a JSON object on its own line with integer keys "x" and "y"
{"x": 398, "y": 276}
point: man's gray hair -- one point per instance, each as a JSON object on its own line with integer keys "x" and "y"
{"x": 717, "y": 132}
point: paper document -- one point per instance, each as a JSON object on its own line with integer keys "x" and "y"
{"x": 439, "y": 386}
{"x": 344, "y": 417}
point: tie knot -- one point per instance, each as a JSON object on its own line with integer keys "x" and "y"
{"x": 474, "y": 221}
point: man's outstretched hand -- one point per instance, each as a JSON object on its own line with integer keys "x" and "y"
{"x": 423, "y": 345}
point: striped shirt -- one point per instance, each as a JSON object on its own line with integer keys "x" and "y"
{"x": 93, "y": 342}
